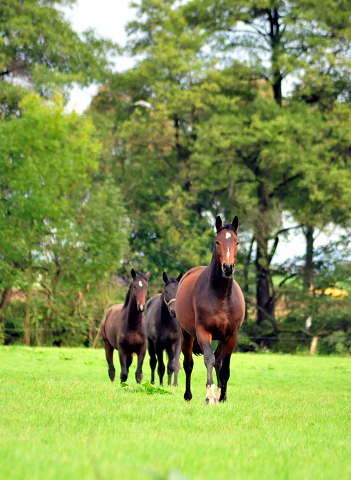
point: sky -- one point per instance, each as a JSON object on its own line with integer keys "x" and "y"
{"x": 109, "y": 18}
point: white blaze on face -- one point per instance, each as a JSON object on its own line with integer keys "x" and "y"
{"x": 140, "y": 283}
{"x": 228, "y": 253}
{"x": 227, "y": 235}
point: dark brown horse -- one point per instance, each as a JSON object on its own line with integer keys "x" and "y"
{"x": 162, "y": 330}
{"x": 210, "y": 306}
{"x": 123, "y": 329}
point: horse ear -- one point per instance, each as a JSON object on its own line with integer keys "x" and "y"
{"x": 179, "y": 277}
{"x": 235, "y": 223}
{"x": 133, "y": 273}
{"x": 165, "y": 278}
{"x": 218, "y": 223}
{"x": 147, "y": 275}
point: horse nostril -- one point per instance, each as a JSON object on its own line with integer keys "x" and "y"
{"x": 228, "y": 269}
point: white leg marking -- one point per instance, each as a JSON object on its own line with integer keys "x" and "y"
{"x": 219, "y": 394}
{"x": 211, "y": 397}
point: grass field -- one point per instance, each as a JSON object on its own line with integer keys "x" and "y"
{"x": 287, "y": 417}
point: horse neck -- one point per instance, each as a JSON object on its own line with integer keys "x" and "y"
{"x": 164, "y": 310}
{"x": 133, "y": 315}
{"x": 221, "y": 285}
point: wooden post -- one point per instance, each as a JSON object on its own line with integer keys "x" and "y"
{"x": 313, "y": 345}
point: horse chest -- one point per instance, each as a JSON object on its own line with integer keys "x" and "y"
{"x": 219, "y": 318}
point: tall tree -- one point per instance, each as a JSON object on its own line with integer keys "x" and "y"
{"x": 306, "y": 43}
{"x": 47, "y": 162}
{"x": 39, "y": 48}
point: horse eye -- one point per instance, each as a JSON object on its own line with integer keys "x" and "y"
{"x": 217, "y": 243}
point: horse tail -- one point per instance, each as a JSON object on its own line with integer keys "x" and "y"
{"x": 196, "y": 348}
{"x": 103, "y": 323}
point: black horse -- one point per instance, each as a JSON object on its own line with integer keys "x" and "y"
{"x": 123, "y": 329}
{"x": 162, "y": 330}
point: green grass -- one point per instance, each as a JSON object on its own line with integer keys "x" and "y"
{"x": 287, "y": 417}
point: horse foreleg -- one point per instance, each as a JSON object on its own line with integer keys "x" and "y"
{"x": 170, "y": 364}
{"x": 123, "y": 362}
{"x": 224, "y": 372}
{"x": 218, "y": 364}
{"x": 153, "y": 360}
{"x": 109, "y": 358}
{"x": 139, "y": 371}
{"x": 205, "y": 338}
{"x": 188, "y": 363}
{"x": 176, "y": 365}
{"x": 161, "y": 366}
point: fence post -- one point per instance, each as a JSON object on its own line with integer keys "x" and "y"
{"x": 313, "y": 345}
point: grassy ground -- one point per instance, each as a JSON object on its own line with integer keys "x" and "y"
{"x": 287, "y": 417}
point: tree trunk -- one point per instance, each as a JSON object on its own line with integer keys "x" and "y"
{"x": 4, "y": 301}
{"x": 246, "y": 273}
{"x": 275, "y": 40}
{"x": 264, "y": 294}
{"x": 308, "y": 268}
{"x": 28, "y": 303}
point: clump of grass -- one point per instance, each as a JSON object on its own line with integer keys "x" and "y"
{"x": 145, "y": 387}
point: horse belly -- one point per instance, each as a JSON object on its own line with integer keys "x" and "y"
{"x": 111, "y": 324}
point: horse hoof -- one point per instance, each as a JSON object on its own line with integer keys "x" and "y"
{"x": 187, "y": 397}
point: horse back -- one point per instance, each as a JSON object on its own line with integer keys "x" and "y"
{"x": 184, "y": 305}
{"x": 110, "y": 324}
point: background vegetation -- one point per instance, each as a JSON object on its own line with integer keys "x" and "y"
{"x": 234, "y": 107}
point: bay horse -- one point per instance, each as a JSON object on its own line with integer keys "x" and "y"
{"x": 210, "y": 306}
{"x": 162, "y": 330}
{"x": 123, "y": 328}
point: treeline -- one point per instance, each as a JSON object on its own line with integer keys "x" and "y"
{"x": 233, "y": 107}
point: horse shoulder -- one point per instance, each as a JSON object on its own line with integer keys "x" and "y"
{"x": 111, "y": 322}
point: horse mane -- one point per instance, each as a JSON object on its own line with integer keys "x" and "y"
{"x": 227, "y": 226}
{"x": 143, "y": 276}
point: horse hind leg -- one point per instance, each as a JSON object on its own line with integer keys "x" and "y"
{"x": 170, "y": 364}
{"x": 153, "y": 359}
{"x": 109, "y": 358}
{"x": 224, "y": 372}
{"x": 176, "y": 365}
{"x": 187, "y": 342}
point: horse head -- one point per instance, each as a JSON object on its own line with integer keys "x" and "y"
{"x": 226, "y": 245}
{"x": 169, "y": 292}
{"x": 139, "y": 288}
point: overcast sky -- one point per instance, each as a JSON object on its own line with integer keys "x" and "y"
{"x": 108, "y": 18}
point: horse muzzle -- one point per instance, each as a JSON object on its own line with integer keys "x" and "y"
{"x": 140, "y": 307}
{"x": 228, "y": 270}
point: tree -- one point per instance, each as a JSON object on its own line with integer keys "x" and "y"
{"x": 301, "y": 41}
{"x": 39, "y": 48}
{"x": 48, "y": 160}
